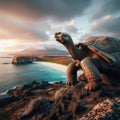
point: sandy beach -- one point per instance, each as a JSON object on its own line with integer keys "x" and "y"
{"x": 58, "y": 67}
{"x": 55, "y": 66}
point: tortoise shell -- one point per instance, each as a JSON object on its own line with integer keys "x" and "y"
{"x": 106, "y": 47}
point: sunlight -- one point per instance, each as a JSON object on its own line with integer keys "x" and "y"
{"x": 6, "y": 45}
{"x": 1, "y": 45}
{"x": 9, "y": 43}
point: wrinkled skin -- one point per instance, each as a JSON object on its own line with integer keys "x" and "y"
{"x": 91, "y": 64}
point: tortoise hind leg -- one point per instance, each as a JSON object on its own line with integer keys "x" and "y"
{"x": 90, "y": 69}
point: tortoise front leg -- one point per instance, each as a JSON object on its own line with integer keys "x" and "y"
{"x": 90, "y": 69}
{"x": 72, "y": 72}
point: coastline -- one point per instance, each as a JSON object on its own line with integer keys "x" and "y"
{"x": 59, "y": 67}
{"x": 61, "y": 102}
{"x": 56, "y": 66}
{"x": 30, "y": 101}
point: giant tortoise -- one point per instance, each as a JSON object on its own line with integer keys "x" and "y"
{"x": 94, "y": 55}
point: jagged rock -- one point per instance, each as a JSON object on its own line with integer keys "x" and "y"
{"x": 27, "y": 90}
{"x": 38, "y": 105}
{"x": 60, "y": 93}
{"x": 73, "y": 102}
{"x": 68, "y": 103}
{"x": 107, "y": 110}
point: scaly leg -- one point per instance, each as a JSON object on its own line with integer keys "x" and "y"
{"x": 72, "y": 72}
{"x": 90, "y": 68}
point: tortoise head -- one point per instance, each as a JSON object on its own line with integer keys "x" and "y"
{"x": 63, "y": 38}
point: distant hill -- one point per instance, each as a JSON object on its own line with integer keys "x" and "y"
{"x": 46, "y": 52}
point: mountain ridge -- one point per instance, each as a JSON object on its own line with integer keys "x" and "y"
{"x": 38, "y": 52}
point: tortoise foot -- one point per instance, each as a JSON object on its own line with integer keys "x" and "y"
{"x": 71, "y": 82}
{"x": 92, "y": 86}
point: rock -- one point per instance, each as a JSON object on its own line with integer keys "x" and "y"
{"x": 27, "y": 90}
{"x": 67, "y": 103}
{"x": 73, "y": 103}
{"x": 39, "y": 105}
{"x": 106, "y": 110}
{"x": 7, "y": 101}
{"x": 60, "y": 93}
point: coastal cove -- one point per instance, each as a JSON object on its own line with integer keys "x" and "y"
{"x": 12, "y": 76}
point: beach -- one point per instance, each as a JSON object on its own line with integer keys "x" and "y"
{"x": 54, "y": 65}
{"x": 58, "y": 67}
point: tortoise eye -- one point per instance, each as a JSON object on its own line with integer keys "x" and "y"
{"x": 64, "y": 35}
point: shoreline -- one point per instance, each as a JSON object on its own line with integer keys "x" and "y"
{"x": 6, "y": 95}
{"x": 56, "y": 66}
{"x": 59, "y": 67}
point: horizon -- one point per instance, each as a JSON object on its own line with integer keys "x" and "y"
{"x": 31, "y": 24}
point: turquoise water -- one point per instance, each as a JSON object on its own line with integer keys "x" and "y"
{"x": 15, "y": 75}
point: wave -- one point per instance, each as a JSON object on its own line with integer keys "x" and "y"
{"x": 5, "y": 92}
{"x": 63, "y": 76}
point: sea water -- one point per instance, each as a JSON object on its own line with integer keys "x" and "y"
{"x": 12, "y": 75}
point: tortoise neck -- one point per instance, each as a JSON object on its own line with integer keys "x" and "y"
{"x": 75, "y": 52}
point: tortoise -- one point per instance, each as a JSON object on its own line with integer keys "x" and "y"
{"x": 94, "y": 55}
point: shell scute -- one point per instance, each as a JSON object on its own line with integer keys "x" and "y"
{"x": 106, "y": 47}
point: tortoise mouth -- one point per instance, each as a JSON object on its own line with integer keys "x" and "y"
{"x": 58, "y": 37}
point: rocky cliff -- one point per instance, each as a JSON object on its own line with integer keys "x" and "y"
{"x": 45, "y": 101}
{"x": 22, "y": 59}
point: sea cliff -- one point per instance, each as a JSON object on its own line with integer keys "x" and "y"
{"x": 22, "y": 59}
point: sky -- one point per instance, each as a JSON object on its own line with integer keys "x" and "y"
{"x": 31, "y": 24}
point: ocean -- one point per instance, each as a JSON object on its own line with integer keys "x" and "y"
{"x": 12, "y": 75}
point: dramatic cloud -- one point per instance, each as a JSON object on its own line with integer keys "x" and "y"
{"x": 70, "y": 27}
{"x": 67, "y": 26}
{"x": 107, "y": 25}
{"x": 32, "y": 23}
{"x": 104, "y": 20}
{"x": 32, "y": 20}
{"x": 22, "y": 34}
{"x": 10, "y": 28}
{"x": 35, "y": 9}
{"x": 110, "y": 7}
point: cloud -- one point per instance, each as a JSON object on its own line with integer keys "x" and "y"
{"x": 107, "y": 25}
{"x": 37, "y": 9}
{"x": 57, "y": 28}
{"x": 11, "y": 29}
{"x": 30, "y": 20}
{"x": 70, "y": 27}
{"x": 33, "y": 22}
{"x": 110, "y": 7}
